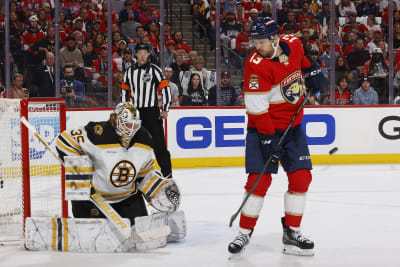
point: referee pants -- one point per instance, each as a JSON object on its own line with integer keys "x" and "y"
{"x": 151, "y": 121}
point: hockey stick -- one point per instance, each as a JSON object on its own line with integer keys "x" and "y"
{"x": 108, "y": 211}
{"x": 233, "y": 217}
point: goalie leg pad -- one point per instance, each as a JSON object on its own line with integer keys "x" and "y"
{"x": 76, "y": 235}
{"x": 150, "y": 232}
{"x": 177, "y": 224}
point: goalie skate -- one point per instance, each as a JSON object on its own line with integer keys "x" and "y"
{"x": 237, "y": 247}
{"x": 294, "y": 243}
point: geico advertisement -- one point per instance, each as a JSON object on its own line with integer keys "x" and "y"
{"x": 196, "y": 133}
{"x": 193, "y": 133}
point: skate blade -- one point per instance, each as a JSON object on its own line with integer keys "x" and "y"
{"x": 293, "y": 250}
{"x": 235, "y": 256}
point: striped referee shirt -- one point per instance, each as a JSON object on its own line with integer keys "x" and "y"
{"x": 142, "y": 85}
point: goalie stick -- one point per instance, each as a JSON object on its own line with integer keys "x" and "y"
{"x": 108, "y": 211}
{"x": 233, "y": 217}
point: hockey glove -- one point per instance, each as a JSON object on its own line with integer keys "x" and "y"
{"x": 269, "y": 146}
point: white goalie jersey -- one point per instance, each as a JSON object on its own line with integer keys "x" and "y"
{"x": 118, "y": 171}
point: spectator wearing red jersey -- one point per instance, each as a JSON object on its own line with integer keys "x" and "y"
{"x": 315, "y": 26}
{"x": 86, "y": 21}
{"x": 100, "y": 70}
{"x": 353, "y": 21}
{"x": 304, "y": 13}
{"x": 152, "y": 33}
{"x": 145, "y": 12}
{"x": 243, "y": 41}
{"x": 64, "y": 25}
{"x": 351, "y": 44}
{"x": 168, "y": 33}
{"x": 179, "y": 43}
{"x": 98, "y": 42}
{"x": 250, "y": 4}
{"x": 84, "y": 5}
{"x": 30, "y": 37}
{"x": 343, "y": 95}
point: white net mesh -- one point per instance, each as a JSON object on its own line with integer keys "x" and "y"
{"x": 45, "y": 171}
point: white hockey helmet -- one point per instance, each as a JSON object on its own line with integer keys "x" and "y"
{"x": 125, "y": 119}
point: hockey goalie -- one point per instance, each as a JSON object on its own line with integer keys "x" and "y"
{"x": 110, "y": 175}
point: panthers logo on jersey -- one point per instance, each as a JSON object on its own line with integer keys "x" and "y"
{"x": 291, "y": 87}
{"x": 123, "y": 173}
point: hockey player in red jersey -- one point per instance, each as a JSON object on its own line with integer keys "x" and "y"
{"x": 273, "y": 92}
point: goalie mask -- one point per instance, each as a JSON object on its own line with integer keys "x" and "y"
{"x": 126, "y": 120}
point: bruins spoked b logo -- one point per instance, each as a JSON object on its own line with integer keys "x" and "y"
{"x": 123, "y": 173}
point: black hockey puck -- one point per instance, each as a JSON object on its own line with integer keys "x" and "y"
{"x": 333, "y": 150}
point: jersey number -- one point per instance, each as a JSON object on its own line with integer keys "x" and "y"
{"x": 290, "y": 38}
{"x": 77, "y": 135}
{"x": 255, "y": 60}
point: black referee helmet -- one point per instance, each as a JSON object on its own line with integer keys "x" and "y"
{"x": 142, "y": 46}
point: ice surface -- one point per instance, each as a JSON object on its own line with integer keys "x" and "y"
{"x": 352, "y": 214}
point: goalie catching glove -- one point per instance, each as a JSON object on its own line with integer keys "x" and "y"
{"x": 163, "y": 194}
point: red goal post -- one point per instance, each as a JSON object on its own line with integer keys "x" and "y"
{"x": 31, "y": 180}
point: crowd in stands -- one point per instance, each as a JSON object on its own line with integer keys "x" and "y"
{"x": 360, "y": 34}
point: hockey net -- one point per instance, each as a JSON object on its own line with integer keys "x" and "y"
{"x": 31, "y": 180}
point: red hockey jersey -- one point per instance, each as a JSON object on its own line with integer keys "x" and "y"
{"x": 272, "y": 87}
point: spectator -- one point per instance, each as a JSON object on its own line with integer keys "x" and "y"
{"x": 17, "y": 91}
{"x": 192, "y": 57}
{"x": 145, "y": 13}
{"x": 153, "y": 33}
{"x": 121, "y": 46}
{"x": 241, "y": 14}
{"x": 353, "y": 22}
{"x": 343, "y": 95}
{"x": 124, "y": 62}
{"x": 282, "y": 13}
{"x": 323, "y": 16}
{"x": 253, "y": 14}
{"x": 291, "y": 21}
{"x": 100, "y": 69}
{"x": 128, "y": 27}
{"x": 374, "y": 44}
{"x": 229, "y": 30}
{"x": 366, "y": 8}
{"x": 351, "y": 43}
{"x": 314, "y": 78}
{"x": 139, "y": 38}
{"x": 378, "y": 68}
{"x": 253, "y": 4}
{"x": 195, "y": 94}
{"x": 372, "y": 25}
{"x": 179, "y": 43}
{"x": 95, "y": 30}
{"x": 64, "y": 25}
{"x": 295, "y": 5}
{"x": 70, "y": 55}
{"x": 342, "y": 70}
{"x": 30, "y": 37}
{"x": 78, "y": 26}
{"x": 175, "y": 92}
{"x": 89, "y": 56}
{"x": 315, "y": 26}
{"x": 305, "y": 12}
{"x": 346, "y": 7}
{"x": 155, "y": 18}
{"x": 227, "y": 92}
{"x": 243, "y": 41}
{"x": 116, "y": 88}
{"x": 47, "y": 44}
{"x": 16, "y": 31}
{"x": 230, "y": 5}
{"x": 202, "y": 71}
{"x": 44, "y": 78}
{"x": 168, "y": 33}
{"x": 358, "y": 56}
{"x": 128, "y": 10}
{"x": 382, "y": 45}
{"x": 98, "y": 42}
{"x": 266, "y": 10}
{"x": 365, "y": 95}
{"x": 71, "y": 90}
{"x": 170, "y": 53}
{"x": 178, "y": 66}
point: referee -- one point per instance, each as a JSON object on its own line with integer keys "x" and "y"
{"x": 142, "y": 83}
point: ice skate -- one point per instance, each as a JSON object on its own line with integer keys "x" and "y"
{"x": 238, "y": 245}
{"x": 295, "y": 243}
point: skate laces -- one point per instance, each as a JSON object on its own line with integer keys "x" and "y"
{"x": 299, "y": 237}
{"x": 241, "y": 239}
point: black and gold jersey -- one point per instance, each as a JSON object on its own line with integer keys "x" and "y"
{"x": 116, "y": 169}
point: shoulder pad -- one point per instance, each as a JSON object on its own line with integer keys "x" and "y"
{"x": 143, "y": 136}
{"x": 100, "y": 133}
